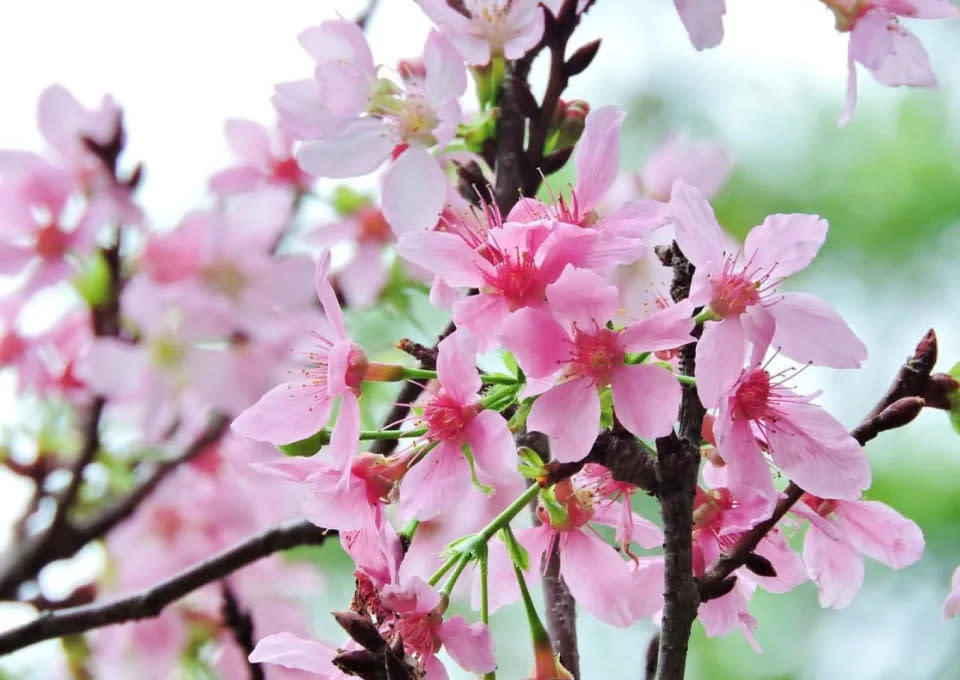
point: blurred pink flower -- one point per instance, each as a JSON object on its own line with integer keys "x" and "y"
{"x": 481, "y": 29}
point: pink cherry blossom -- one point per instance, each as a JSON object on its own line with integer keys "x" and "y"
{"x": 889, "y": 51}
{"x": 265, "y": 158}
{"x": 39, "y": 230}
{"x": 703, "y": 20}
{"x": 379, "y": 119}
{"x": 613, "y": 590}
{"x": 419, "y": 622}
{"x": 573, "y": 344}
{"x": 808, "y": 444}
{"x": 720, "y": 518}
{"x": 597, "y": 159}
{"x": 841, "y": 531}
{"x": 64, "y": 123}
{"x": 297, "y": 409}
{"x": 455, "y": 419}
{"x": 488, "y": 28}
{"x": 740, "y": 287}
{"x": 510, "y": 264}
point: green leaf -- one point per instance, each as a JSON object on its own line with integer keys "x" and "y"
{"x": 347, "y": 201}
{"x": 519, "y": 419}
{"x": 518, "y": 554}
{"x": 531, "y": 464}
{"x": 308, "y": 446}
{"x": 92, "y": 281}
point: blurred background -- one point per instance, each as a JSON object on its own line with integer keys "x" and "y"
{"x": 888, "y": 183}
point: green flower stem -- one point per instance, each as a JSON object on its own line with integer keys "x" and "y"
{"x": 686, "y": 380}
{"x": 366, "y": 435}
{"x": 461, "y": 565}
{"x": 501, "y": 521}
{"x": 485, "y": 601}
{"x": 636, "y": 358}
{"x": 706, "y": 314}
{"x": 537, "y": 630}
{"x": 487, "y": 378}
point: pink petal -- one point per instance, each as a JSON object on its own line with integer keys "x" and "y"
{"x": 290, "y": 651}
{"x": 582, "y": 298}
{"x": 704, "y": 165}
{"x": 414, "y": 596}
{"x": 470, "y": 646}
{"x": 880, "y": 532}
{"x": 433, "y": 669}
{"x": 719, "y": 359}
{"x": 851, "y": 96}
{"x": 597, "y": 576}
{"x": 338, "y": 41}
{"x": 809, "y": 330}
{"x": 539, "y": 343}
{"x": 327, "y": 295}
{"x": 492, "y": 445}
{"x": 115, "y": 368}
{"x": 723, "y": 615}
{"x": 786, "y": 562}
{"x": 922, "y": 9}
{"x": 60, "y": 117}
{"x": 784, "y": 244}
{"x": 429, "y": 485}
{"x": 250, "y": 141}
{"x": 646, "y": 399}
{"x": 747, "y": 469}
{"x": 836, "y": 568}
{"x": 346, "y": 432}
{"x": 457, "y": 367}
{"x": 501, "y": 579}
{"x": 483, "y": 315}
{"x": 287, "y": 413}
{"x": 445, "y": 255}
{"x": 703, "y": 20}
{"x": 569, "y": 414}
{"x": 813, "y": 450}
{"x": 236, "y": 180}
{"x": 634, "y": 219}
{"x": 364, "y": 277}
{"x": 951, "y": 606}
{"x": 358, "y": 148}
{"x": 698, "y": 233}
{"x": 641, "y": 530}
{"x": 414, "y": 191}
{"x": 893, "y": 54}
{"x": 446, "y": 75}
{"x": 666, "y": 328}
{"x": 598, "y": 155}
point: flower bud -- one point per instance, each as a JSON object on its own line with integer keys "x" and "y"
{"x": 570, "y": 120}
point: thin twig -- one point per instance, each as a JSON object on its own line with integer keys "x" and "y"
{"x": 30, "y": 557}
{"x": 240, "y": 624}
{"x": 151, "y": 602}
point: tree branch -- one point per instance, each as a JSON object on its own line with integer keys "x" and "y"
{"x": 151, "y": 602}
{"x": 677, "y": 466}
{"x": 898, "y": 406}
{"x": 29, "y": 558}
{"x": 240, "y": 624}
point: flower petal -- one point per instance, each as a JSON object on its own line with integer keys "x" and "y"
{"x": 569, "y": 414}
{"x": 470, "y": 646}
{"x": 287, "y": 413}
{"x": 809, "y": 330}
{"x": 414, "y": 191}
{"x": 457, "y": 367}
{"x": 646, "y": 399}
{"x": 290, "y": 651}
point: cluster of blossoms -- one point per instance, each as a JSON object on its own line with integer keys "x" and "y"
{"x": 567, "y": 302}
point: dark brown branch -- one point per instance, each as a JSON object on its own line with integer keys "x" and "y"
{"x": 30, "y": 557}
{"x": 561, "y": 614}
{"x": 240, "y": 624}
{"x": 897, "y": 407}
{"x": 677, "y": 466}
{"x": 151, "y": 602}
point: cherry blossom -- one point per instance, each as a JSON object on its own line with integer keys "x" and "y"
{"x": 264, "y": 159}
{"x": 703, "y": 20}
{"x": 455, "y": 421}
{"x": 841, "y": 531}
{"x": 572, "y": 343}
{"x": 760, "y": 412}
{"x": 740, "y": 287}
{"x": 889, "y": 51}
{"x": 380, "y": 120}
{"x": 297, "y": 409}
{"x": 483, "y": 29}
